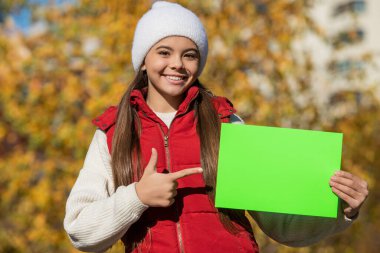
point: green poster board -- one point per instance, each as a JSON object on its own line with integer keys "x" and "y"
{"x": 278, "y": 170}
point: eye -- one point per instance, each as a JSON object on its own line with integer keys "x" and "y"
{"x": 164, "y": 53}
{"x": 191, "y": 56}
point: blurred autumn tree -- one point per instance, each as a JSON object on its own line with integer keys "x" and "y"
{"x": 75, "y": 62}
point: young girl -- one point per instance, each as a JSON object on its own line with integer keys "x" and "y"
{"x": 149, "y": 175}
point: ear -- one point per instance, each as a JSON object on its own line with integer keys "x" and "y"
{"x": 143, "y": 68}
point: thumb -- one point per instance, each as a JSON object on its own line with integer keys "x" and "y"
{"x": 151, "y": 167}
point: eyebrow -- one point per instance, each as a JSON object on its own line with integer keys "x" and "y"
{"x": 171, "y": 49}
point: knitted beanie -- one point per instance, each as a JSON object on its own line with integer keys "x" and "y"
{"x": 166, "y": 19}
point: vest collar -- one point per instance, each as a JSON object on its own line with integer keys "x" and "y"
{"x": 138, "y": 101}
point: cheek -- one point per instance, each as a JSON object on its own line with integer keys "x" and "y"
{"x": 155, "y": 70}
{"x": 154, "y": 64}
{"x": 193, "y": 67}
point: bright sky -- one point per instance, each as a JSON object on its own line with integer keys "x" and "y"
{"x": 22, "y": 17}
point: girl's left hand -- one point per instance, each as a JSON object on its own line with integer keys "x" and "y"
{"x": 352, "y": 189}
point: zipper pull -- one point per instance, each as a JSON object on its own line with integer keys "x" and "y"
{"x": 166, "y": 140}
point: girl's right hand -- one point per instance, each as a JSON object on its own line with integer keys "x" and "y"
{"x": 158, "y": 189}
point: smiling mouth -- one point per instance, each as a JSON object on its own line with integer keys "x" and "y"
{"x": 176, "y": 78}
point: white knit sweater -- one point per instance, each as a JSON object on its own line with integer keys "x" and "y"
{"x": 97, "y": 216}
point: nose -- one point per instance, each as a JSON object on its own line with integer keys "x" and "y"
{"x": 176, "y": 62}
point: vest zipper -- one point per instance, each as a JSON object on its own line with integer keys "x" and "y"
{"x": 167, "y": 154}
{"x": 166, "y": 144}
{"x": 179, "y": 233}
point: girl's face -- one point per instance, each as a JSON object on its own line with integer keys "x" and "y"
{"x": 171, "y": 65}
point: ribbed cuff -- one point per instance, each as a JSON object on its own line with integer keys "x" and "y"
{"x": 136, "y": 206}
{"x": 351, "y": 219}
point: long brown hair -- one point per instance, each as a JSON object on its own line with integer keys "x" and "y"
{"x": 126, "y": 152}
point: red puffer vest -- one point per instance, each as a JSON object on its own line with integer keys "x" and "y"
{"x": 192, "y": 223}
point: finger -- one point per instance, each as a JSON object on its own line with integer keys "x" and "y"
{"x": 171, "y": 201}
{"x": 151, "y": 167}
{"x": 174, "y": 193}
{"x": 347, "y": 182}
{"x": 344, "y": 174}
{"x": 353, "y": 203}
{"x": 185, "y": 173}
{"x": 348, "y": 175}
{"x": 353, "y": 193}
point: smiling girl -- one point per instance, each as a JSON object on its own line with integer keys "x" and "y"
{"x": 149, "y": 174}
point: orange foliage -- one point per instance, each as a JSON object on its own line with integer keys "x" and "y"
{"x": 55, "y": 81}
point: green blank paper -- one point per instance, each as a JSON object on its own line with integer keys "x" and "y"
{"x": 278, "y": 170}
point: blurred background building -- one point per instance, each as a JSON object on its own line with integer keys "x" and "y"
{"x": 348, "y": 60}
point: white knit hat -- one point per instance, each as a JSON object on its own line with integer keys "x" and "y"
{"x": 166, "y": 19}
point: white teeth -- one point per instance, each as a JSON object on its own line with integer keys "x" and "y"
{"x": 175, "y": 78}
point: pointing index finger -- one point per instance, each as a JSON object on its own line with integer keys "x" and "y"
{"x": 185, "y": 173}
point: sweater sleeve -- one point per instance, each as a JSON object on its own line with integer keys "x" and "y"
{"x": 96, "y": 215}
{"x": 235, "y": 119}
{"x": 298, "y": 230}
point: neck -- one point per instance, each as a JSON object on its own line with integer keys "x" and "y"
{"x": 159, "y": 103}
